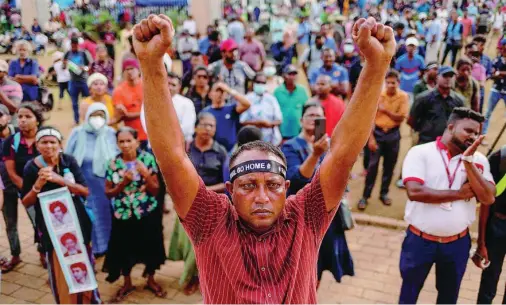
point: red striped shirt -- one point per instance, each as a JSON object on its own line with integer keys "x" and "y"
{"x": 238, "y": 266}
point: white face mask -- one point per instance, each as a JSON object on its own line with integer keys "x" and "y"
{"x": 96, "y": 122}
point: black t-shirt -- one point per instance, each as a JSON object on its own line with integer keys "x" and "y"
{"x": 20, "y": 157}
{"x": 495, "y": 169}
{"x": 9, "y": 187}
{"x": 30, "y": 176}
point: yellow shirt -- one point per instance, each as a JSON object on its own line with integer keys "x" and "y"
{"x": 85, "y": 103}
{"x": 398, "y": 104}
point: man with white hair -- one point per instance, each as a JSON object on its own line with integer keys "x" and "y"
{"x": 25, "y": 71}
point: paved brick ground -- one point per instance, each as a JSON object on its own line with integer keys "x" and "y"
{"x": 375, "y": 253}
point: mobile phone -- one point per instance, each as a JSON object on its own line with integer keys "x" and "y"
{"x": 319, "y": 128}
{"x": 132, "y": 166}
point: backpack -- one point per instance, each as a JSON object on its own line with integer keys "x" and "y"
{"x": 15, "y": 141}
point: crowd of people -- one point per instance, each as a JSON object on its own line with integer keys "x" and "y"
{"x": 241, "y": 91}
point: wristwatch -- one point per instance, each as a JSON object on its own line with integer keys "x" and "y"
{"x": 469, "y": 159}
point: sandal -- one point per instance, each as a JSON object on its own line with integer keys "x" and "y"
{"x": 192, "y": 286}
{"x": 122, "y": 294}
{"x": 10, "y": 265}
{"x": 385, "y": 200}
{"x": 3, "y": 260}
{"x": 158, "y": 291}
{"x": 362, "y": 204}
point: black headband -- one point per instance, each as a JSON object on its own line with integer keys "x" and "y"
{"x": 255, "y": 166}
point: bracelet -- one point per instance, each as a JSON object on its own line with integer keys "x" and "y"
{"x": 35, "y": 190}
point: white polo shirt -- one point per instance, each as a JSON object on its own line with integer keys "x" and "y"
{"x": 424, "y": 163}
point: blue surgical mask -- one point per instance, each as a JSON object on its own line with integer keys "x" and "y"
{"x": 259, "y": 88}
{"x": 269, "y": 71}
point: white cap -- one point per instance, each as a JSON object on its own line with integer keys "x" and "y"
{"x": 412, "y": 41}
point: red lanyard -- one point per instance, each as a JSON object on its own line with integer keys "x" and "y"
{"x": 451, "y": 178}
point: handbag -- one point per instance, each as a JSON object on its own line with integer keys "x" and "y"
{"x": 347, "y": 220}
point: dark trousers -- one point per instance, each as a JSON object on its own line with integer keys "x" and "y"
{"x": 388, "y": 148}
{"x": 63, "y": 87}
{"x": 10, "y": 213}
{"x": 367, "y": 157}
{"x": 455, "y": 51}
{"x": 482, "y": 98}
{"x": 77, "y": 88}
{"x": 496, "y": 249}
{"x": 417, "y": 257}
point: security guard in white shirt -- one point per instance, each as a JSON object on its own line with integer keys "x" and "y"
{"x": 442, "y": 179}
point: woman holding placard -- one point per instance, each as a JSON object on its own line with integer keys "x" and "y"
{"x": 137, "y": 233}
{"x": 50, "y": 171}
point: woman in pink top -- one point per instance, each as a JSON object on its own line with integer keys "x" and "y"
{"x": 89, "y": 45}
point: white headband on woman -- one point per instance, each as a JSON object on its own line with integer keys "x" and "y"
{"x": 97, "y": 76}
{"x": 48, "y": 132}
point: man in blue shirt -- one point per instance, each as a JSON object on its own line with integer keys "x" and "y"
{"x": 498, "y": 91}
{"x": 338, "y": 74}
{"x": 409, "y": 65}
{"x": 227, "y": 115}
{"x": 304, "y": 31}
{"x": 25, "y": 71}
{"x": 481, "y": 41}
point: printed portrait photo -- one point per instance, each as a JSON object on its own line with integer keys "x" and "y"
{"x": 79, "y": 274}
{"x": 59, "y": 214}
{"x": 69, "y": 244}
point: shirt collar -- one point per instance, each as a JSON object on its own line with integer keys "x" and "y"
{"x": 442, "y": 147}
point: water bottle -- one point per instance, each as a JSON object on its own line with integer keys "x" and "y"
{"x": 67, "y": 175}
{"x": 74, "y": 68}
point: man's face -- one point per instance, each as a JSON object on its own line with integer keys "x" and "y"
{"x": 201, "y": 78}
{"x": 217, "y": 95}
{"x": 432, "y": 73}
{"x": 79, "y": 274}
{"x": 481, "y": 46}
{"x": 391, "y": 85}
{"x": 307, "y": 120}
{"x": 197, "y": 60}
{"x": 232, "y": 55}
{"x": 290, "y": 78}
{"x": 464, "y": 133}
{"x": 259, "y": 198}
{"x": 503, "y": 50}
{"x": 411, "y": 49}
{"x": 464, "y": 72}
{"x": 323, "y": 86}
{"x": 58, "y": 214}
{"x": 445, "y": 81}
{"x": 23, "y": 52}
{"x": 2, "y": 75}
{"x": 328, "y": 59}
{"x": 319, "y": 42}
{"x": 70, "y": 245}
{"x": 206, "y": 129}
{"x": 4, "y": 121}
{"x": 74, "y": 47}
{"x": 324, "y": 29}
{"x": 399, "y": 31}
{"x": 132, "y": 74}
{"x": 174, "y": 86}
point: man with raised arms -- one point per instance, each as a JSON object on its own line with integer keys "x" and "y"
{"x": 262, "y": 248}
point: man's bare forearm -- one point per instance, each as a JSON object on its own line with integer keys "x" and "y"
{"x": 484, "y": 190}
{"x": 482, "y": 225}
{"x": 166, "y": 137}
{"x": 348, "y": 138}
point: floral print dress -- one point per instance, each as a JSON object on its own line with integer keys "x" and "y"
{"x": 134, "y": 201}
{"x": 137, "y": 230}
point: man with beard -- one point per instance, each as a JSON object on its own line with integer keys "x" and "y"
{"x": 230, "y": 69}
{"x": 442, "y": 179}
{"x": 245, "y": 247}
{"x": 466, "y": 86}
{"x": 431, "y": 109}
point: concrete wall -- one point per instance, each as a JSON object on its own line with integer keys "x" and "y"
{"x": 205, "y": 12}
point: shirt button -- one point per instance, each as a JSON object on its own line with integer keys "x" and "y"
{"x": 263, "y": 268}
{"x": 268, "y": 295}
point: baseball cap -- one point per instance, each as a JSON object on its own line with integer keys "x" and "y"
{"x": 290, "y": 69}
{"x": 412, "y": 41}
{"x": 130, "y": 63}
{"x": 4, "y": 66}
{"x": 228, "y": 45}
{"x": 445, "y": 70}
{"x": 3, "y": 110}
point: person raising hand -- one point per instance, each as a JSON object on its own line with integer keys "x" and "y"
{"x": 261, "y": 224}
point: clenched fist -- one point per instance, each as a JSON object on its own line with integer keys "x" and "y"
{"x": 152, "y": 37}
{"x": 374, "y": 40}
